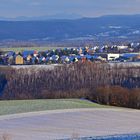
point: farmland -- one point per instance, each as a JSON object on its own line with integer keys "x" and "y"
{"x": 22, "y": 106}
{"x": 20, "y": 49}
{"x": 71, "y": 124}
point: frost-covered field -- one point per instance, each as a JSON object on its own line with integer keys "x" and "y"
{"x": 72, "y": 124}
{"x": 114, "y": 137}
{"x": 129, "y": 64}
{"x": 49, "y": 67}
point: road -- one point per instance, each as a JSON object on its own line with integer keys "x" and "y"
{"x": 32, "y": 67}
{"x": 128, "y": 64}
{"x": 50, "y": 125}
{"x": 36, "y": 67}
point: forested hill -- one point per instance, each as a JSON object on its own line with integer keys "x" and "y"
{"x": 102, "y": 27}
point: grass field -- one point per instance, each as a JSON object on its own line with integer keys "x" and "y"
{"x": 22, "y": 106}
{"x": 20, "y": 49}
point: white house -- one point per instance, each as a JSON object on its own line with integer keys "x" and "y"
{"x": 112, "y": 56}
{"x": 122, "y": 47}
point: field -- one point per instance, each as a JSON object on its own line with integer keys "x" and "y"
{"x": 65, "y": 118}
{"x": 23, "y": 106}
{"x": 73, "y": 124}
{"x": 20, "y": 49}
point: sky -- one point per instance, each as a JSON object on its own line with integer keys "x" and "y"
{"x": 84, "y": 8}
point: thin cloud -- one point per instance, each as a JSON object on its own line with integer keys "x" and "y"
{"x": 86, "y": 8}
{"x": 35, "y": 3}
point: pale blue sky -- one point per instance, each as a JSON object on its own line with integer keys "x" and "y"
{"x": 85, "y": 8}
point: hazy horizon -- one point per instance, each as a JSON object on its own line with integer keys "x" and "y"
{"x": 78, "y": 8}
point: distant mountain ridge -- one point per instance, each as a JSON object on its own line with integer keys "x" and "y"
{"x": 105, "y": 27}
{"x": 38, "y": 18}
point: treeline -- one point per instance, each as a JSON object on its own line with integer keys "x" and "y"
{"x": 117, "y": 85}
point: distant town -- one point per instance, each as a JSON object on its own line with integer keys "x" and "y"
{"x": 106, "y": 53}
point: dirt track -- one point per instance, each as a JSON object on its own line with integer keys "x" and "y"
{"x": 60, "y": 124}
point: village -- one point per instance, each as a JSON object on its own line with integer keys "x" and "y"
{"x": 123, "y": 53}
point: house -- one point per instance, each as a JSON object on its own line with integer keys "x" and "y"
{"x": 3, "y": 54}
{"x": 29, "y": 57}
{"x": 136, "y": 58}
{"x": 80, "y": 51}
{"x": 72, "y": 58}
{"x": 10, "y": 60}
{"x": 65, "y": 59}
{"x": 1, "y": 61}
{"x": 55, "y": 58}
{"x": 96, "y": 58}
{"x": 112, "y": 56}
{"x": 103, "y": 56}
{"x": 27, "y": 53}
{"x": 10, "y": 53}
{"x": 128, "y": 56}
{"x": 35, "y": 54}
{"x": 91, "y": 51}
{"x": 19, "y": 60}
{"x": 122, "y": 47}
{"x": 42, "y": 60}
